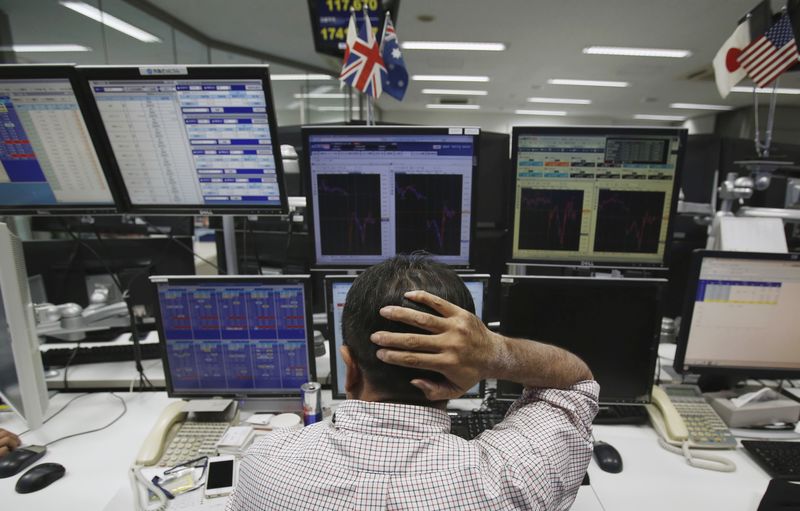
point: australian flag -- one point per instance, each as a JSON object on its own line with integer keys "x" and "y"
{"x": 395, "y": 79}
{"x": 363, "y": 66}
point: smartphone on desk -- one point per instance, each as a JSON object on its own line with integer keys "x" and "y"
{"x": 680, "y": 414}
{"x": 220, "y": 477}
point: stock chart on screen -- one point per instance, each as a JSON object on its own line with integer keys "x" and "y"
{"x": 378, "y": 192}
{"x": 597, "y": 195}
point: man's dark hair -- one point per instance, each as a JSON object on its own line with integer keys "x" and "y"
{"x": 385, "y": 284}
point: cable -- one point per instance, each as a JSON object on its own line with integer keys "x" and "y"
{"x": 289, "y": 232}
{"x": 69, "y": 361}
{"x": 118, "y": 417}
{"x": 59, "y": 411}
{"x": 184, "y": 247}
{"x": 255, "y": 249}
{"x": 697, "y": 460}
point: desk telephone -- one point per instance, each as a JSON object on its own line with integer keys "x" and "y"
{"x": 193, "y": 438}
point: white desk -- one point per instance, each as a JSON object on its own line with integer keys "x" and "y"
{"x": 97, "y": 464}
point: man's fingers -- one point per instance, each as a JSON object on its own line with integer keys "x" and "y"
{"x": 10, "y": 442}
{"x": 3, "y": 451}
{"x": 411, "y": 359}
{"x": 414, "y": 318}
{"x": 440, "y": 305}
{"x": 435, "y": 391}
{"x": 408, "y": 342}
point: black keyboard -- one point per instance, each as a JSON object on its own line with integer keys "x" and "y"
{"x": 781, "y": 460}
{"x": 468, "y": 425}
{"x": 621, "y": 414}
{"x": 58, "y": 357}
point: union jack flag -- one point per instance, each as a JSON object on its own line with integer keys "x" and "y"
{"x": 363, "y": 66}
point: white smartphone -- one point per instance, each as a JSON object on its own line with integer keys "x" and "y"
{"x": 221, "y": 476}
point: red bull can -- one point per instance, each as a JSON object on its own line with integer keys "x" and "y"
{"x": 312, "y": 402}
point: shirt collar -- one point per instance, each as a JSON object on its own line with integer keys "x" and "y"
{"x": 391, "y": 419}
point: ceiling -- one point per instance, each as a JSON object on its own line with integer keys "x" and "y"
{"x": 544, "y": 40}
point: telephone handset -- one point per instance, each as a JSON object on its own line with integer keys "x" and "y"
{"x": 166, "y": 426}
{"x": 680, "y": 414}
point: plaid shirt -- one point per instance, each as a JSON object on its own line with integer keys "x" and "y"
{"x": 376, "y": 456}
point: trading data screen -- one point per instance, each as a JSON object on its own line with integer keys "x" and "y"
{"x": 234, "y": 338}
{"x": 338, "y": 293}
{"x": 598, "y": 198}
{"x": 191, "y": 142}
{"x": 374, "y": 196}
{"x": 47, "y": 157}
{"x": 745, "y": 315}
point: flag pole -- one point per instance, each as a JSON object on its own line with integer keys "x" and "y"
{"x": 771, "y": 117}
{"x": 370, "y": 113}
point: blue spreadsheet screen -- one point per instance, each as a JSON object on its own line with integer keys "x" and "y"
{"x": 339, "y": 291}
{"x": 191, "y": 142}
{"x": 46, "y": 154}
{"x": 234, "y": 338}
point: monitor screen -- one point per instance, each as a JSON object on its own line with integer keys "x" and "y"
{"x": 612, "y": 324}
{"x": 204, "y": 140}
{"x": 741, "y": 315}
{"x": 378, "y": 192}
{"x": 597, "y": 195}
{"x": 235, "y": 336}
{"x": 336, "y": 289}
{"x": 48, "y": 159}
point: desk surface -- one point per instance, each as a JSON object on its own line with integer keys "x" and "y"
{"x": 97, "y": 463}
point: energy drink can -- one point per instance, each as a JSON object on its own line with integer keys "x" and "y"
{"x": 312, "y": 402}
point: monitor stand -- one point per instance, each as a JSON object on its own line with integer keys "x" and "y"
{"x": 272, "y": 405}
{"x": 716, "y": 382}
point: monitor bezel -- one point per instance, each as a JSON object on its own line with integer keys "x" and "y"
{"x": 330, "y": 280}
{"x": 190, "y": 72}
{"x": 682, "y": 340}
{"x": 305, "y": 280}
{"x": 659, "y": 285}
{"x": 68, "y": 72}
{"x": 305, "y": 170}
{"x": 516, "y": 131}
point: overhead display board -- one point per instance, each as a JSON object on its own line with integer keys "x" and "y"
{"x": 330, "y": 18}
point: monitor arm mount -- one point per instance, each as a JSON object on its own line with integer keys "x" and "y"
{"x": 70, "y": 321}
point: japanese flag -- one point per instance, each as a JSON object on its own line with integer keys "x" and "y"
{"x": 727, "y": 71}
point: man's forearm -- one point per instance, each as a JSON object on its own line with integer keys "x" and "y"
{"x": 535, "y": 364}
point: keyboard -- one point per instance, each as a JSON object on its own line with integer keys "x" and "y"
{"x": 193, "y": 439}
{"x": 58, "y": 357}
{"x": 621, "y": 414}
{"x": 468, "y": 425}
{"x": 781, "y": 460}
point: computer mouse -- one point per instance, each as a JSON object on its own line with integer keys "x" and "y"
{"x": 607, "y": 457}
{"x": 19, "y": 459}
{"x": 39, "y": 477}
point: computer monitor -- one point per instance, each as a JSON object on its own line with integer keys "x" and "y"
{"x": 189, "y": 139}
{"x": 742, "y": 316}
{"x": 597, "y": 196}
{"x": 336, "y": 288}
{"x": 612, "y": 324}
{"x": 375, "y": 192}
{"x": 245, "y": 337}
{"x": 49, "y": 157}
{"x": 22, "y": 383}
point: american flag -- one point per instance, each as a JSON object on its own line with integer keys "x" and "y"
{"x": 771, "y": 54}
{"x": 363, "y": 65}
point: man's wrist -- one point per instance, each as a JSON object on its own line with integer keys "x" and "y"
{"x": 499, "y": 357}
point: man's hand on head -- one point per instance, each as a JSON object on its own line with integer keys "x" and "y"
{"x": 459, "y": 345}
{"x": 8, "y": 442}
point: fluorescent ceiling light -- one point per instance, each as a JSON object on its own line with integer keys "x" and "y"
{"x": 449, "y": 78}
{"x": 452, "y": 107}
{"x": 781, "y": 90}
{"x": 31, "y": 48}
{"x": 561, "y": 101}
{"x": 653, "y": 117}
{"x": 588, "y": 83}
{"x": 699, "y": 106}
{"x": 555, "y": 113}
{"x": 334, "y": 108}
{"x": 636, "y": 52}
{"x": 455, "y": 92}
{"x": 321, "y": 95}
{"x": 111, "y": 21}
{"x": 298, "y": 77}
{"x": 446, "y": 45}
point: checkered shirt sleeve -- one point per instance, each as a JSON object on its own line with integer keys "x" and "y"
{"x": 385, "y": 456}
